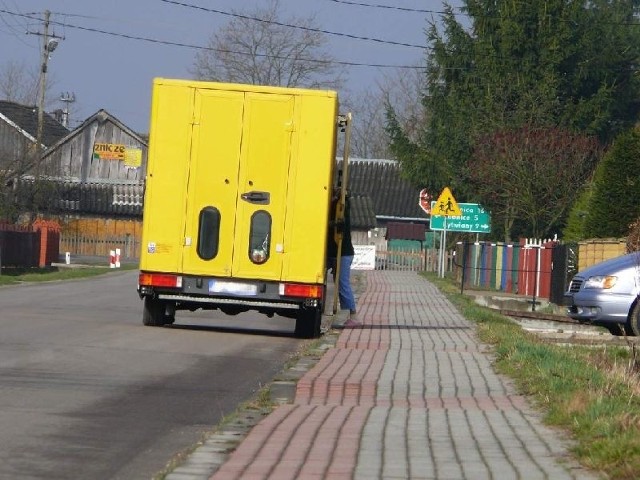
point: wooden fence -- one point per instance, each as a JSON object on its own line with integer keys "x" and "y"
{"x": 89, "y": 246}
{"x": 416, "y": 261}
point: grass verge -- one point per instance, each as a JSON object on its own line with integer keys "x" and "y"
{"x": 592, "y": 393}
{"x": 14, "y": 276}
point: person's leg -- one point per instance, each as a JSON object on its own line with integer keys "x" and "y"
{"x": 347, "y": 300}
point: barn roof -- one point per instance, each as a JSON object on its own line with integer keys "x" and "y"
{"x": 100, "y": 116}
{"x": 393, "y": 197}
{"x": 24, "y": 118}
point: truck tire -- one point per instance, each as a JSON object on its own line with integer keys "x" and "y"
{"x": 153, "y": 312}
{"x": 308, "y": 322}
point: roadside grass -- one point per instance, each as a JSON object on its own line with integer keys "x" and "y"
{"x": 591, "y": 393}
{"x": 13, "y": 276}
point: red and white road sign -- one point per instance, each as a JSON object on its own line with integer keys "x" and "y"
{"x": 425, "y": 201}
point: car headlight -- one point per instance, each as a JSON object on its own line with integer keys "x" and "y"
{"x": 601, "y": 281}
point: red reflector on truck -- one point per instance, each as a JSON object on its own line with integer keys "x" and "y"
{"x": 159, "y": 280}
{"x": 300, "y": 290}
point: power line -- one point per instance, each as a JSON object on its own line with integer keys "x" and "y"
{"x": 300, "y": 27}
{"x": 391, "y": 7}
{"x": 200, "y": 47}
{"x": 13, "y": 29}
{"x": 460, "y": 12}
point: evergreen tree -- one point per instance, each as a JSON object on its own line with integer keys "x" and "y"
{"x": 574, "y": 231}
{"x": 541, "y": 64}
{"x": 614, "y": 203}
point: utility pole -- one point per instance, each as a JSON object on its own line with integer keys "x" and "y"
{"x": 41, "y": 91}
{"x": 67, "y": 98}
{"x": 49, "y": 44}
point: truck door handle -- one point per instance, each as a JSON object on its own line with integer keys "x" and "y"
{"x": 261, "y": 198}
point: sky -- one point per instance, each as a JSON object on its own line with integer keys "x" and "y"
{"x": 103, "y": 62}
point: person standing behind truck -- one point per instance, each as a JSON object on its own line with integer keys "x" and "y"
{"x": 345, "y": 292}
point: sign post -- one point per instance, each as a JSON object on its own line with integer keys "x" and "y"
{"x": 445, "y": 206}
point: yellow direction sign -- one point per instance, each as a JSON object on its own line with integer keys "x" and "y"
{"x": 446, "y": 205}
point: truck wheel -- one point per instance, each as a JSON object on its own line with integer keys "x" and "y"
{"x": 308, "y": 322}
{"x": 153, "y": 313}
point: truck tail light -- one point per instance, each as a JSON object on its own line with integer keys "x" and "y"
{"x": 301, "y": 290}
{"x": 159, "y": 280}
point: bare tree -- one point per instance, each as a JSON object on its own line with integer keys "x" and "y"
{"x": 18, "y": 83}
{"x": 261, "y": 48}
{"x": 400, "y": 91}
{"x": 524, "y": 173}
{"x": 368, "y": 137}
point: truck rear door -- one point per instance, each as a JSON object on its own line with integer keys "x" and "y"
{"x": 236, "y": 208}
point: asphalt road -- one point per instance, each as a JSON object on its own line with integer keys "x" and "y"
{"x": 88, "y": 392}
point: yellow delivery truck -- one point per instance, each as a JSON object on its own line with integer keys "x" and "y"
{"x": 237, "y": 198}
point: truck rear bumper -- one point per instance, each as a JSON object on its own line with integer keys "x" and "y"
{"x": 193, "y": 292}
{"x": 229, "y": 301}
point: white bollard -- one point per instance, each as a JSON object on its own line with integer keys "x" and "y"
{"x": 117, "y": 258}
{"x": 67, "y": 258}
{"x": 112, "y": 259}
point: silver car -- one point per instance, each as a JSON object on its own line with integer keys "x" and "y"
{"x": 606, "y": 294}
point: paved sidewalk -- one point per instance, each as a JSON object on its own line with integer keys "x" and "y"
{"x": 410, "y": 395}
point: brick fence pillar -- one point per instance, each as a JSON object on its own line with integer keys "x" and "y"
{"x": 49, "y": 241}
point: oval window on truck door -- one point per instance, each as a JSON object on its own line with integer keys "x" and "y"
{"x": 208, "y": 233}
{"x": 259, "y": 237}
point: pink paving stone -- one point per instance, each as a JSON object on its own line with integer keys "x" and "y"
{"x": 313, "y": 467}
{"x": 253, "y": 476}
{"x": 259, "y": 467}
{"x": 486, "y": 403}
{"x": 341, "y": 467}
{"x": 288, "y": 466}
{"x": 451, "y": 402}
{"x": 507, "y": 402}
{"x": 337, "y": 475}
{"x": 434, "y": 403}
{"x": 322, "y": 453}
{"x": 468, "y": 402}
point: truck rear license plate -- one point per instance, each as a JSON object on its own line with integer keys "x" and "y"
{"x": 233, "y": 288}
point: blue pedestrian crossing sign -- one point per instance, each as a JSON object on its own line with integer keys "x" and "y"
{"x": 446, "y": 205}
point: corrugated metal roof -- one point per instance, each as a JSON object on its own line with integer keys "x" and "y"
{"x": 392, "y": 196}
{"x": 86, "y": 198}
{"x": 363, "y": 216}
{"x": 26, "y": 118}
